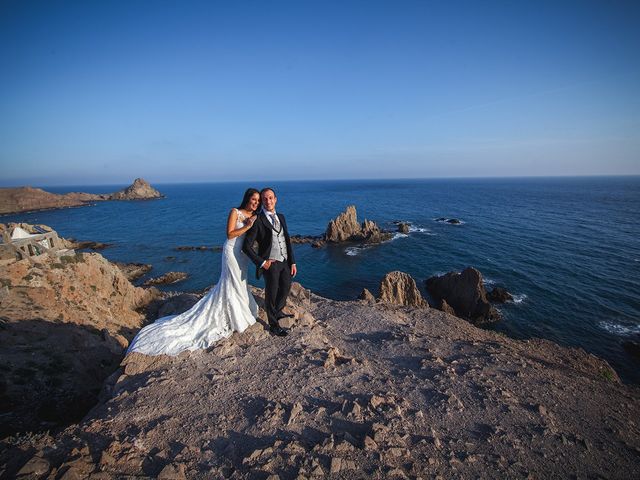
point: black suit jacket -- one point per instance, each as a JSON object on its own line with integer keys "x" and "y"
{"x": 261, "y": 233}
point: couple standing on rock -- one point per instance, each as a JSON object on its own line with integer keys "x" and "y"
{"x": 229, "y": 306}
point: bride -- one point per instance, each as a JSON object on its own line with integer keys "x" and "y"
{"x": 228, "y": 307}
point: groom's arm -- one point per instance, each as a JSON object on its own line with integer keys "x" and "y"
{"x": 247, "y": 245}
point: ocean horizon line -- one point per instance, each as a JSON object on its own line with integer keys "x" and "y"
{"x": 345, "y": 180}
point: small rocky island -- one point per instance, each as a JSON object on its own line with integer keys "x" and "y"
{"x": 384, "y": 387}
{"x": 345, "y": 228}
{"x": 25, "y": 199}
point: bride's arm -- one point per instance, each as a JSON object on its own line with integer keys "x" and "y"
{"x": 232, "y": 231}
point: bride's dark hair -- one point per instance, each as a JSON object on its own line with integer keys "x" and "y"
{"x": 247, "y": 196}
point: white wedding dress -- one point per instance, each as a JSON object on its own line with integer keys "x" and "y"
{"x": 228, "y": 307}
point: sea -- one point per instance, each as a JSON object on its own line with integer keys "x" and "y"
{"x": 567, "y": 248}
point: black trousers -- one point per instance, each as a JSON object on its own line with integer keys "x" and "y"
{"x": 277, "y": 285}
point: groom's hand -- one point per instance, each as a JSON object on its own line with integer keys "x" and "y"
{"x": 294, "y": 270}
{"x": 267, "y": 264}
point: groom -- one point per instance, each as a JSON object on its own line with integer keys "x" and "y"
{"x": 274, "y": 258}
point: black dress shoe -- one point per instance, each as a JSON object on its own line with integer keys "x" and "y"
{"x": 285, "y": 315}
{"x": 279, "y": 331}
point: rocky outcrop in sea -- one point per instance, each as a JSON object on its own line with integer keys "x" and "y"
{"x": 464, "y": 294}
{"x": 25, "y": 199}
{"x": 138, "y": 190}
{"x": 346, "y": 229}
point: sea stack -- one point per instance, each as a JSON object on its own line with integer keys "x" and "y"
{"x": 345, "y": 228}
{"x": 138, "y": 190}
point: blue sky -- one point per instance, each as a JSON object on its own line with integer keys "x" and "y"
{"x": 103, "y": 92}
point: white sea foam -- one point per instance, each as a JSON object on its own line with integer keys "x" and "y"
{"x": 399, "y": 235}
{"x": 489, "y": 281}
{"x": 618, "y": 329}
{"x": 352, "y": 251}
{"x": 519, "y": 298}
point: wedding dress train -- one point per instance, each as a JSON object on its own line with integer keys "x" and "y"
{"x": 228, "y": 307}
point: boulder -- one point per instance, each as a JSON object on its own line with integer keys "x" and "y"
{"x": 133, "y": 271}
{"x": 167, "y": 279}
{"x": 465, "y": 293}
{"x": 499, "y": 295}
{"x": 446, "y": 308}
{"x": 403, "y": 227}
{"x": 399, "y": 288}
{"x": 367, "y": 296}
{"x": 86, "y": 244}
{"x": 371, "y": 233}
{"x": 138, "y": 190}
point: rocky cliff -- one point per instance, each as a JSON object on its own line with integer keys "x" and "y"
{"x": 356, "y": 390}
{"x": 65, "y": 324}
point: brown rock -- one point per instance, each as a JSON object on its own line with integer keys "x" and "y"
{"x": 370, "y": 443}
{"x": 465, "y": 293}
{"x": 335, "y": 358}
{"x": 403, "y": 227}
{"x": 445, "y": 307}
{"x": 371, "y": 233}
{"x": 336, "y": 465}
{"x": 37, "y": 467}
{"x": 344, "y": 226}
{"x": 295, "y": 411}
{"x": 133, "y": 271}
{"x": 287, "y": 322}
{"x": 367, "y": 296}
{"x": 87, "y": 245}
{"x": 167, "y": 279}
{"x": 138, "y": 190}
{"x": 499, "y": 295}
{"x": 172, "y": 472}
{"x": 399, "y": 288}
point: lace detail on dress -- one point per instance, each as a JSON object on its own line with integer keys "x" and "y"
{"x": 241, "y": 218}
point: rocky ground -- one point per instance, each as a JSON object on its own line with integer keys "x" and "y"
{"x": 357, "y": 390}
